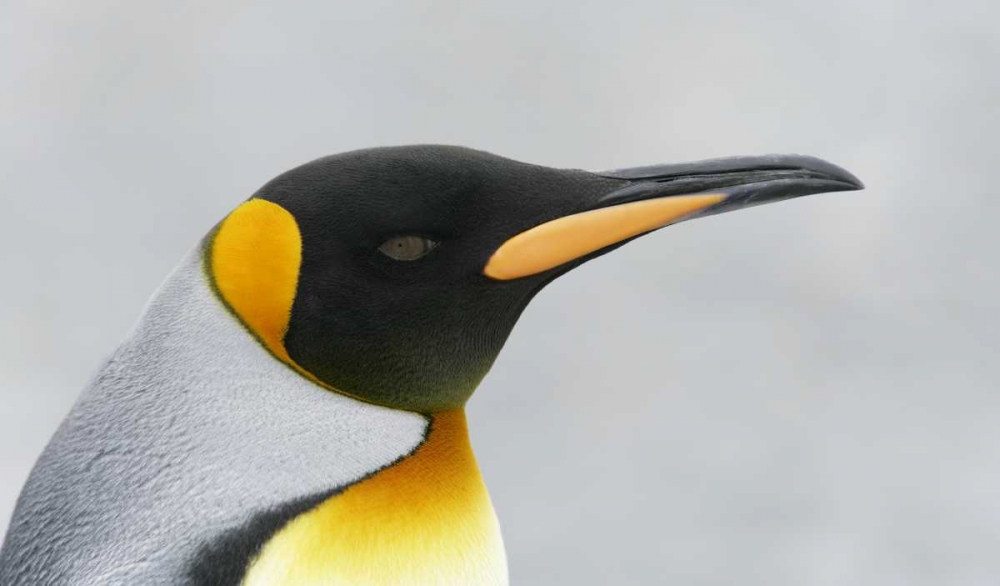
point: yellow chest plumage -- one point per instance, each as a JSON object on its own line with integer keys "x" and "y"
{"x": 426, "y": 519}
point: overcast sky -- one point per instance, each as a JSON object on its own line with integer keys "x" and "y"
{"x": 799, "y": 394}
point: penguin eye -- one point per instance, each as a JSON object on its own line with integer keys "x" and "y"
{"x": 407, "y": 247}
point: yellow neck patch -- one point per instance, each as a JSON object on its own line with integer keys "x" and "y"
{"x": 427, "y": 519}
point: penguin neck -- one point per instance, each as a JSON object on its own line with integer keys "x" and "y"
{"x": 426, "y": 518}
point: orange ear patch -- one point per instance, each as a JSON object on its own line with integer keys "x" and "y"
{"x": 254, "y": 262}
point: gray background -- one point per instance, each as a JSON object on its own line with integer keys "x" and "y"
{"x": 803, "y": 393}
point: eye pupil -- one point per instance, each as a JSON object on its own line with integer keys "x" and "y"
{"x": 407, "y": 248}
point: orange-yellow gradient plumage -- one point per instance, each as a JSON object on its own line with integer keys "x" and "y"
{"x": 425, "y": 520}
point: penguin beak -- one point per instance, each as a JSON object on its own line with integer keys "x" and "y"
{"x": 657, "y": 196}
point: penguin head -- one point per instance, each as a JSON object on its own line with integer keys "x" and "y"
{"x": 395, "y": 275}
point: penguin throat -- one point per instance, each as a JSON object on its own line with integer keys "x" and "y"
{"x": 427, "y": 519}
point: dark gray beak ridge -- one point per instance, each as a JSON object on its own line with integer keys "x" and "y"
{"x": 746, "y": 181}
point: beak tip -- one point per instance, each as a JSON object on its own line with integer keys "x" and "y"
{"x": 850, "y": 181}
{"x": 833, "y": 172}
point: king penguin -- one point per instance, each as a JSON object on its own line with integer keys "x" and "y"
{"x": 289, "y": 408}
